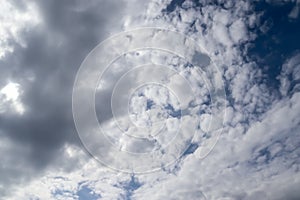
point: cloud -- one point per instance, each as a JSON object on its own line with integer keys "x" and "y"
{"x": 10, "y": 99}
{"x": 290, "y": 76}
{"x": 45, "y": 69}
{"x": 264, "y": 154}
{"x": 256, "y": 157}
{"x": 14, "y": 19}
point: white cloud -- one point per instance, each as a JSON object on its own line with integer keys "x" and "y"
{"x": 10, "y": 99}
{"x": 290, "y": 76}
{"x": 233, "y": 171}
{"x": 13, "y": 21}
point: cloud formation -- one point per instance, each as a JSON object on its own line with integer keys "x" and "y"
{"x": 257, "y": 154}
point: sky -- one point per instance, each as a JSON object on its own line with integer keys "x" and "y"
{"x": 159, "y": 99}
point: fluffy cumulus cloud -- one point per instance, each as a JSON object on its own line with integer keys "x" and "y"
{"x": 206, "y": 145}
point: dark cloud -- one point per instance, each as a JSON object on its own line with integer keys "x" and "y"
{"x": 54, "y": 52}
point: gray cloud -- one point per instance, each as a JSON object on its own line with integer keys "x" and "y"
{"x": 53, "y": 53}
